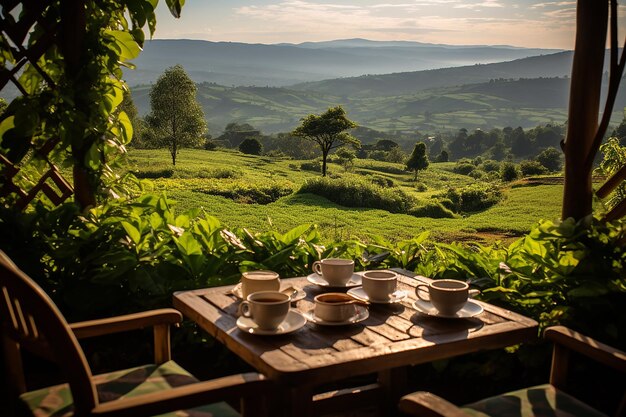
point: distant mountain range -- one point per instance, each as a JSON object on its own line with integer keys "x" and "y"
{"x": 553, "y": 65}
{"x": 238, "y": 64}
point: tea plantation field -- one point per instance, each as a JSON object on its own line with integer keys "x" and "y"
{"x": 260, "y": 193}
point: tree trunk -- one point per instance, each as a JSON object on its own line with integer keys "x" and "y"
{"x": 174, "y": 150}
{"x": 324, "y": 156}
{"x": 71, "y": 36}
{"x": 584, "y": 105}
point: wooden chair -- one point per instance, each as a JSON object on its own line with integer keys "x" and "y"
{"x": 544, "y": 400}
{"x": 31, "y": 320}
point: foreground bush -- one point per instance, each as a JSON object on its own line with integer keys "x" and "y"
{"x": 560, "y": 273}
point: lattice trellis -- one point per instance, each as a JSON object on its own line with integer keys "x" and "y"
{"x": 14, "y": 34}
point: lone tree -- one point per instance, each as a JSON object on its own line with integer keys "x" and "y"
{"x": 418, "y": 160}
{"x": 177, "y": 118}
{"x": 328, "y": 130}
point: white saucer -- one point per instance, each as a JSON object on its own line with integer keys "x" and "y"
{"x": 470, "y": 309}
{"x": 361, "y": 314}
{"x": 360, "y": 294}
{"x": 292, "y": 322}
{"x": 316, "y": 279}
{"x": 236, "y": 291}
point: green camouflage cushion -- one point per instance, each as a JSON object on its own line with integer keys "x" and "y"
{"x": 542, "y": 400}
{"x": 57, "y": 401}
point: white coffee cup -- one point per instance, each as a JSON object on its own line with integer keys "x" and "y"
{"x": 254, "y": 281}
{"x": 335, "y": 306}
{"x": 447, "y": 295}
{"x": 335, "y": 271}
{"x": 266, "y": 308}
{"x": 379, "y": 285}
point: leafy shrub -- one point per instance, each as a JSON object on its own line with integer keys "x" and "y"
{"x": 560, "y": 273}
{"x": 251, "y": 146}
{"x": 434, "y": 209}
{"x": 508, "y": 172}
{"x": 387, "y": 168}
{"x": 247, "y": 193}
{"x": 210, "y": 145}
{"x": 532, "y": 168}
{"x": 472, "y": 198}
{"x": 463, "y": 168}
{"x": 358, "y": 193}
{"x": 490, "y": 166}
{"x": 224, "y": 173}
{"x": 477, "y": 174}
{"x": 315, "y": 166}
{"x": 132, "y": 255}
{"x": 421, "y": 187}
{"x": 157, "y": 173}
{"x": 551, "y": 158}
{"x": 294, "y": 167}
{"x": 381, "y": 181}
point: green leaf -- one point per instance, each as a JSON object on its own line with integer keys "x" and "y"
{"x": 175, "y": 6}
{"x": 188, "y": 245}
{"x": 127, "y": 47}
{"x": 127, "y": 127}
{"x": 7, "y": 124}
{"x": 132, "y": 232}
{"x": 92, "y": 157}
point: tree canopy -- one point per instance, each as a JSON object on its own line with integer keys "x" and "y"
{"x": 328, "y": 130}
{"x": 418, "y": 161}
{"x": 176, "y": 118}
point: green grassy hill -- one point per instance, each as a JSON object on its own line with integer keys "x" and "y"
{"x": 500, "y": 103}
{"x": 199, "y": 175}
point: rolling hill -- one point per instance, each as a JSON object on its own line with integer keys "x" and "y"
{"x": 523, "y": 102}
{"x": 237, "y": 64}
{"x": 553, "y": 65}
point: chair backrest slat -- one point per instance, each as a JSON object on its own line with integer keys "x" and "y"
{"x": 30, "y": 319}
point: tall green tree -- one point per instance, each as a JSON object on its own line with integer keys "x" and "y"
{"x": 328, "y": 130}
{"x": 418, "y": 161}
{"x": 176, "y": 117}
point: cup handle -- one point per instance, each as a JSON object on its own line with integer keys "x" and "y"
{"x": 420, "y": 288}
{"x": 244, "y": 309}
{"x": 317, "y": 267}
{"x": 473, "y": 293}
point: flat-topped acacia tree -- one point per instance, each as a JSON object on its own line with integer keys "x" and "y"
{"x": 328, "y": 130}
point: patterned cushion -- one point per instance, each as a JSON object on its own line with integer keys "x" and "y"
{"x": 539, "y": 401}
{"x": 57, "y": 401}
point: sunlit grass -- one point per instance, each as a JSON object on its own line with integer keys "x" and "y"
{"x": 521, "y": 207}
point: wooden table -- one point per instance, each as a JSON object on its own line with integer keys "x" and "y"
{"x": 392, "y": 338}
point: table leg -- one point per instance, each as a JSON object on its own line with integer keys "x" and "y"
{"x": 300, "y": 402}
{"x": 394, "y": 384}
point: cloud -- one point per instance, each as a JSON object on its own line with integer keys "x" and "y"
{"x": 552, "y": 4}
{"x": 436, "y": 21}
{"x": 477, "y": 6}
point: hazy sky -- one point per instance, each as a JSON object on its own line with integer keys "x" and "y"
{"x": 529, "y": 23}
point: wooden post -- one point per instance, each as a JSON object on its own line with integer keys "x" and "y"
{"x": 584, "y": 105}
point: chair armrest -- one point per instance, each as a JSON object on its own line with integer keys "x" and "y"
{"x": 425, "y": 404}
{"x": 101, "y": 327}
{"x": 587, "y": 346}
{"x": 185, "y": 397}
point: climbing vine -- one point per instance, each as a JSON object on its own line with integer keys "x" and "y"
{"x": 67, "y": 113}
